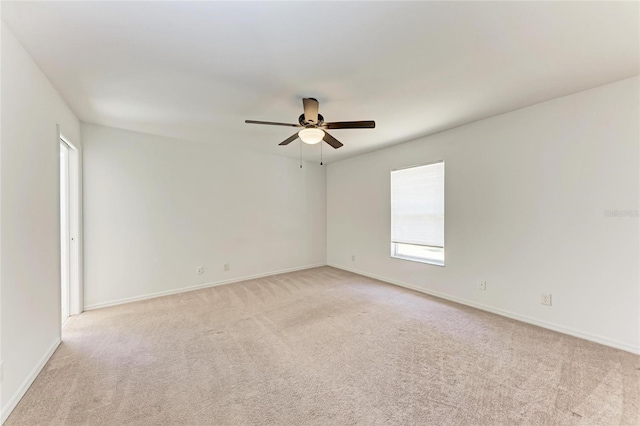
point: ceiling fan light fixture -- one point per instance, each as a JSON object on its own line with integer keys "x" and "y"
{"x": 311, "y": 135}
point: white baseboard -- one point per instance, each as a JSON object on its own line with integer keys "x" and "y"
{"x": 17, "y": 396}
{"x": 544, "y": 324}
{"x": 196, "y": 287}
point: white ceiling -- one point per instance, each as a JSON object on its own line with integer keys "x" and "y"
{"x": 197, "y": 70}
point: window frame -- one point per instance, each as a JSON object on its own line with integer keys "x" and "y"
{"x": 394, "y": 245}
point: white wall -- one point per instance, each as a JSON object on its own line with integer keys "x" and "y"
{"x": 30, "y": 228}
{"x": 526, "y": 193}
{"x": 157, "y": 208}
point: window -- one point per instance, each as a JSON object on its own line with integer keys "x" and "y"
{"x": 417, "y": 213}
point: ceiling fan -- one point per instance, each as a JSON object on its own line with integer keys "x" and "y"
{"x": 314, "y": 126}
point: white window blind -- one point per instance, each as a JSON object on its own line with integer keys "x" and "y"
{"x": 417, "y": 205}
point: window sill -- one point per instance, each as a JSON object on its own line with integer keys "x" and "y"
{"x": 434, "y": 262}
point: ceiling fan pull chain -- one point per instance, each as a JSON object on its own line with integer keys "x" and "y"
{"x": 300, "y": 154}
{"x": 321, "y": 152}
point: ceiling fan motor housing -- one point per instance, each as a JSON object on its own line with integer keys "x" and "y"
{"x": 304, "y": 122}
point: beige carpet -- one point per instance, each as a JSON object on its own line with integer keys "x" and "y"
{"x": 324, "y": 347}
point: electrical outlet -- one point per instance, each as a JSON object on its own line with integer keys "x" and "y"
{"x": 200, "y": 270}
{"x": 483, "y": 285}
{"x": 227, "y": 266}
{"x": 545, "y": 299}
{"x": 353, "y": 257}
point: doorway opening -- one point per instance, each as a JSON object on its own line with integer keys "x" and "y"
{"x": 70, "y": 291}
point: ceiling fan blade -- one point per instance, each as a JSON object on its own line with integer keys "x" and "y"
{"x": 271, "y": 123}
{"x": 331, "y": 140}
{"x": 310, "y": 110}
{"x": 289, "y": 140}
{"x": 350, "y": 125}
